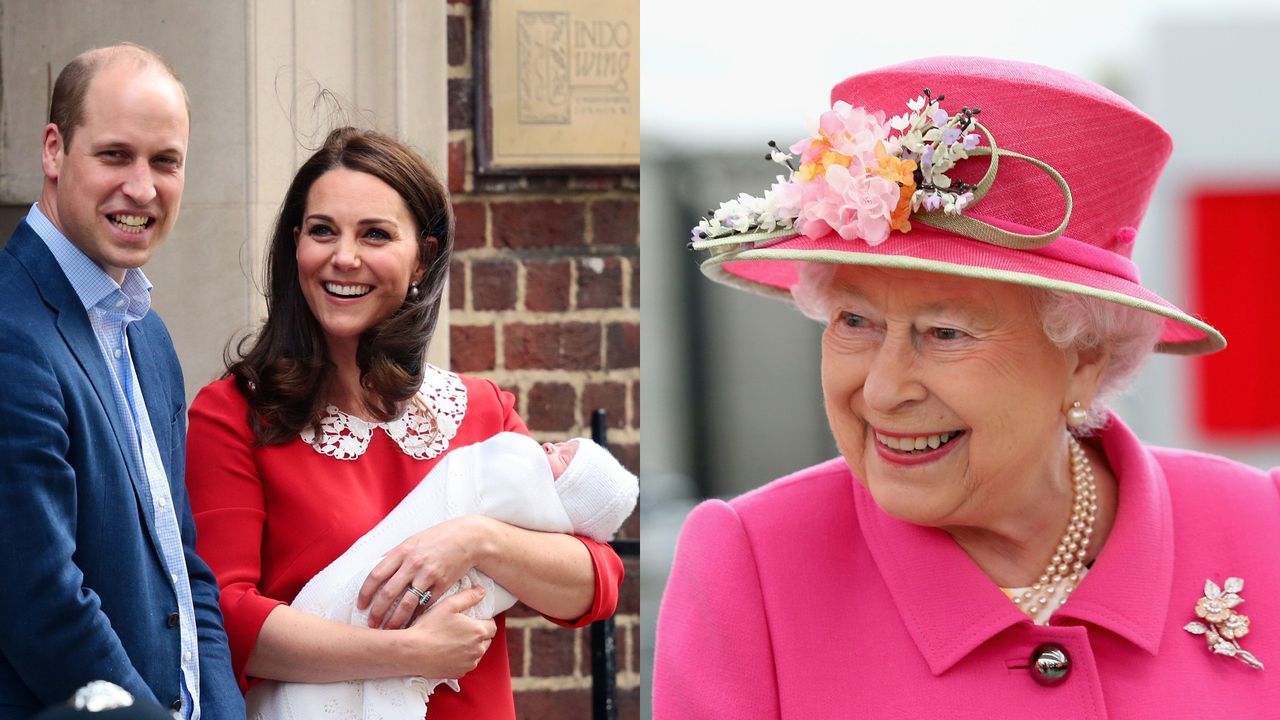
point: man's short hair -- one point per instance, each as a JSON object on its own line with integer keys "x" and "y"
{"x": 66, "y": 108}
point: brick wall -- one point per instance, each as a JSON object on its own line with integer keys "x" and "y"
{"x": 544, "y": 300}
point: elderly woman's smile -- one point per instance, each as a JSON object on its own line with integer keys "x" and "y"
{"x": 910, "y": 449}
{"x": 913, "y": 447}
{"x": 944, "y": 395}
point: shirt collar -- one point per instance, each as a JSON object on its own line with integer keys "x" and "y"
{"x": 950, "y": 607}
{"x": 92, "y": 284}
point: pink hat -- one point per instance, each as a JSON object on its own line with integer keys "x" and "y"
{"x": 1042, "y": 180}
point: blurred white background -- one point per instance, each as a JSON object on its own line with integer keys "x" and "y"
{"x": 730, "y": 390}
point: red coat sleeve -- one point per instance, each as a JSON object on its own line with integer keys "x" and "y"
{"x": 608, "y": 569}
{"x": 606, "y": 563}
{"x": 227, "y": 501}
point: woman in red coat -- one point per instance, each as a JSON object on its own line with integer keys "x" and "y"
{"x": 328, "y": 419}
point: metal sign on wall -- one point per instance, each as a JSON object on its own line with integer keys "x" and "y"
{"x": 559, "y": 85}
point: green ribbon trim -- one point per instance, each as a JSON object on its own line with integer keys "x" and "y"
{"x": 978, "y": 230}
{"x": 723, "y": 243}
{"x": 713, "y": 267}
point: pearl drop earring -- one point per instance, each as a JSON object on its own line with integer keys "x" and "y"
{"x": 1077, "y": 415}
{"x": 413, "y": 295}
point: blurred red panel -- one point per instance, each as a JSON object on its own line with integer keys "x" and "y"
{"x": 1235, "y": 263}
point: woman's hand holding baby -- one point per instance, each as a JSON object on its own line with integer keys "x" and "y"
{"x": 446, "y": 643}
{"x": 430, "y": 561}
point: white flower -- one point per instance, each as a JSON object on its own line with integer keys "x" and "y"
{"x": 942, "y": 162}
{"x": 787, "y": 200}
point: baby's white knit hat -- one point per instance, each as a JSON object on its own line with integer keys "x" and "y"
{"x": 597, "y": 491}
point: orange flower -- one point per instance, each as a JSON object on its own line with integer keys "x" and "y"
{"x": 900, "y": 220}
{"x": 902, "y": 172}
{"x": 895, "y": 169}
{"x": 827, "y": 158}
{"x": 831, "y": 157}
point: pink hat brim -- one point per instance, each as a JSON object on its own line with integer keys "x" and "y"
{"x": 772, "y": 268}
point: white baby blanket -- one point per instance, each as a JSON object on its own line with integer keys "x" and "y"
{"x": 507, "y": 478}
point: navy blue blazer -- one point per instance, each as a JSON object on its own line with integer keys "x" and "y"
{"x": 84, "y": 593}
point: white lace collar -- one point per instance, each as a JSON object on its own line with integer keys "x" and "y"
{"x": 422, "y": 432}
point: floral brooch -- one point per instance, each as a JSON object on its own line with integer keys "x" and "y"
{"x": 1226, "y": 626}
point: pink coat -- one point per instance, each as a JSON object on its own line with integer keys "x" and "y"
{"x": 804, "y": 600}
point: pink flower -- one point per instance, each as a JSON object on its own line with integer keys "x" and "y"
{"x": 810, "y": 149}
{"x": 856, "y": 206}
{"x": 790, "y": 198}
{"x": 853, "y": 131}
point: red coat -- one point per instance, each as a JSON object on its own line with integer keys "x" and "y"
{"x": 804, "y": 600}
{"x": 270, "y": 518}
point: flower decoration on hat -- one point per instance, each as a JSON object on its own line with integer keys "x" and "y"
{"x": 1225, "y": 626}
{"x": 863, "y": 176}
{"x": 860, "y": 176}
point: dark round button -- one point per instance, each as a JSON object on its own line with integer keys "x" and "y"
{"x": 172, "y": 620}
{"x": 1050, "y": 664}
{"x": 176, "y": 704}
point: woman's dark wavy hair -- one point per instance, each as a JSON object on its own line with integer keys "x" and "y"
{"x": 286, "y": 369}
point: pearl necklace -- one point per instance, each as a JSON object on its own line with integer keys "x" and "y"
{"x": 1067, "y": 564}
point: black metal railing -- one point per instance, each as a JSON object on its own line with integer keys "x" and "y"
{"x": 604, "y": 647}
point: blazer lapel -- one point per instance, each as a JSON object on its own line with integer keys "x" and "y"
{"x": 73, "y": 324}
{"x": 946, "y": 602}
{"x": 152, "y": 383}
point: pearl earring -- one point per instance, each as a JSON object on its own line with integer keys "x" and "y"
{"x": 1077, "y": 415}
{"x": 413, "y": 295}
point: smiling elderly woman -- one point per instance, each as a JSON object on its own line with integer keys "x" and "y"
{"x": 992, "y": 542}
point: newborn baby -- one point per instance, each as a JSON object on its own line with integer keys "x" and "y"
{"x": 571, "y": 487}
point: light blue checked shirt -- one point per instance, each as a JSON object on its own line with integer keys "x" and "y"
{"x": 111, "y": 307}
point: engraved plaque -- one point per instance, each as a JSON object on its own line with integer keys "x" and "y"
{"x": 561, "y": 85}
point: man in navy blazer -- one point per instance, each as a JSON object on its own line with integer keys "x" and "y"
{"x": 99, "y": 579}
